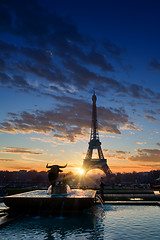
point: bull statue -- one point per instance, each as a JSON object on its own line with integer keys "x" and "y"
{"x": 53, "y": 173}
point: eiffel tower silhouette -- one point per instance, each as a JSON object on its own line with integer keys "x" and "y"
{"x": 94, "y": 143}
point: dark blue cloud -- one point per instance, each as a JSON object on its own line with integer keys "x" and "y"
{"x": 154, "y": 64}
{"x": 37, "y": 41}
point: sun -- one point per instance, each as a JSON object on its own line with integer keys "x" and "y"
{"x": 81, "y": 171}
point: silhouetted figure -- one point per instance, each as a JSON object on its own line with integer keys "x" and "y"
{"x": 53, "y": 173}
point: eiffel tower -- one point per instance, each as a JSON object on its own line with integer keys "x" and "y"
{"x": 89, "y": 162}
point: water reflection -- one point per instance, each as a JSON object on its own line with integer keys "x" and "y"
{"x": 110, "y": 222}
{"x": 76, "y": 226}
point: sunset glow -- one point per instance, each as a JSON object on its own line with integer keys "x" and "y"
{"x": 52, "y": 57}
{"x": 81, "y": 171}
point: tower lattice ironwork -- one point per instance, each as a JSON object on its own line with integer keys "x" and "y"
{"x": 94, "y": 143}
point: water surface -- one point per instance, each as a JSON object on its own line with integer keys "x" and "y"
{"x": 74, "y": 193}
{"x": 111, "y": 222}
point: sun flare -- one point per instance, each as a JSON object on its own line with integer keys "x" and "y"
{"x": 81, "y": 171}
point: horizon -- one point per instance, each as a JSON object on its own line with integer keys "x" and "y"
{"x": 52, "y": 58}
{"x": 97, "y": 172}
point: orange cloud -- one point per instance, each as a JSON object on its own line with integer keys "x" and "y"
{"x": 6, "y": 160}
{"x": 20, "y": 150}
{"x": 122, "y": 155}
{"x": 71, "y": 121}
{"x": 141, "y": 143}
{"x": 150, "y": 118}
{"x": 146, "y": 155}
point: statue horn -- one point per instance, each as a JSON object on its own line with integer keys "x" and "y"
{"x": 62, "y": 166}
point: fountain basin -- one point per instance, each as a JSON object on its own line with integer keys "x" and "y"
{"x": 40, "y": 202}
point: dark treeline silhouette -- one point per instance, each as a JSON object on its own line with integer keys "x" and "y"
{"x": 139, "y": 179}
{"x": 23, "y": 178}
{"x": 36, "y": 179}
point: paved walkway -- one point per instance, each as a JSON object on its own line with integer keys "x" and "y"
{"x": 133, "y": 202}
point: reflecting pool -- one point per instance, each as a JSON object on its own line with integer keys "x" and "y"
{"x": 110, "y": 222}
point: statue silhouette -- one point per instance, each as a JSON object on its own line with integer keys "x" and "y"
{"x": 53, "y": 173}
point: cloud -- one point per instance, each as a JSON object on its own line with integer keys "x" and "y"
{"x": 70, "y": 121}
{"x": 116, "y": 154}
{"x": 83, "y": 76}
{"x": 40, "y": 56}
{"x": 154, "y": 64}
{"x": 20, "y": 150}
{"x": 5, "y": 79}
{"x": 122, "y": 167}
{"x": 53, "y": 75}
{"x": 98, "y": 59}
{"x": 150, "y": 118}
{"x": 136, "y": 91}
{"x": 112, "y": 48}
{"x": 15, "y": 81}
{"x": 130, "y": 126}
{"x": 141, "y": 143}
{"x": 91, "y": 57}
{"x": 20, "y": 82}
{"x": 146, "y": 155}
{"x": 46, "y": 140}
{"x": 153, "y": 166}
{"x": 7, "y": 49}
{"x": 51, "y": 49}
{"x": 6, "y": 160}
{"x": 2, "y": 65}
{"x": 150, "y": 111}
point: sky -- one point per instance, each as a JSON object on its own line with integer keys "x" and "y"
{"x": 53, "y": 55}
